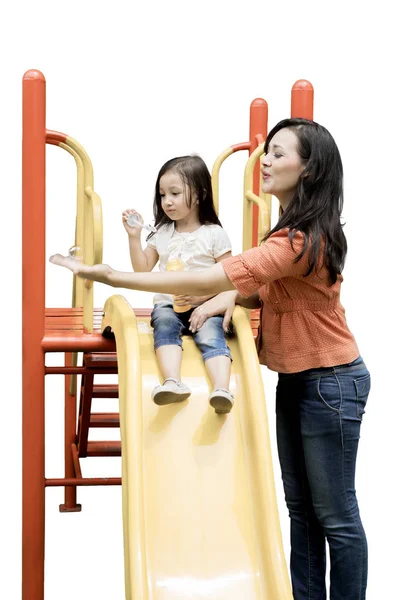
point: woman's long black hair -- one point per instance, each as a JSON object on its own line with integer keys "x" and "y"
{"x": 195, "y": 174}
{"x": 317, "y": 204}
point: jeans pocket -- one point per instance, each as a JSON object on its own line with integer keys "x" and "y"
{"x": 330, "y": 392}
{"x": 363, "y": 387}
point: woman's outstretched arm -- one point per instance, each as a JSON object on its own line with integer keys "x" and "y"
{"x": 198, "y": 283}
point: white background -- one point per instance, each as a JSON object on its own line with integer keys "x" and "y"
{"x": 139, "y": 83}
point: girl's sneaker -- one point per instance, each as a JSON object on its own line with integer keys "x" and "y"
{"x": 221, "y": 400}
{"x": 169, "y": 392}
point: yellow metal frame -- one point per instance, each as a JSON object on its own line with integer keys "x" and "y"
{"x": 88, "y": 235}
{"x": 215, "y": 175}
{"x": 88, "y": 228}
{"x": 263, "y": 202}
{"x": 264, "y": 215}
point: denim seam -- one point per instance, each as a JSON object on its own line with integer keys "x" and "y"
{"x": 327, "y": 373}
{"x": 213, "y": 353}
{"x": 307, "y": 522}
{"x": 324, "y": 401}
{"x": 357, "y": 525}
{"x": 360, "y": 391}
{"x": 339, "y": 411}
{"x": 167, "y": 342}
{"x": 309, "y": 561}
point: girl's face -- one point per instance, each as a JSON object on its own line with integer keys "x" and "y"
{"x": 282, "y": 166}
{"x": 174, "y": 197}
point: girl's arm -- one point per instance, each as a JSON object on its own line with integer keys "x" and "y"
{"x": 142, "y": 260}
{"x": 211, "y": 281}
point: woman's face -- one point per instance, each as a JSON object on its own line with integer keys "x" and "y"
{"x": 281, "y": 166}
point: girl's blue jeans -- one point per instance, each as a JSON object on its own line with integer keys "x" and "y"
{"x": 169, "y": 327}
{"x": 319, "y": 414}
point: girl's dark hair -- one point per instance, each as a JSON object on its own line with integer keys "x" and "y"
{"x": 195, "y": 174}
{"x": 317, "y": 204}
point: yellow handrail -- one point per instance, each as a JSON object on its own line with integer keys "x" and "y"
{"x": 93, "y": 228}
{"x": 264, "y": 216}
{"x": 263, "y": 201}
{"x": 215, "y": 175}
{"x": 217, "y": 166}
{"x": 88, "y": 229}
{"x": 78, "y": 284}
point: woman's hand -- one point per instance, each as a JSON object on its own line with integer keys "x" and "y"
{"x": 101, "y": 273}
{"x": 132, "y": 230}
{"x": 223, "y": 303}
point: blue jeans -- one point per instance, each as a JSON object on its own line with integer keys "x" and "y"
{"x": 169, "y": 326}
{"x": 319, "y": 415}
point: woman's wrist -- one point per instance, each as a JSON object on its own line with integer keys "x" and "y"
{"x": 111, "y": 277}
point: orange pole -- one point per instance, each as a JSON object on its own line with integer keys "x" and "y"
{"x": 258, "y": 128}
{"x": 70, "y": 504}
{"x": 33, "y": 310}
{"x": 302, "y": 100}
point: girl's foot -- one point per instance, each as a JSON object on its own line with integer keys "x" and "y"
{"x": 169, "y": 392}
{"x": 221, "y": 400}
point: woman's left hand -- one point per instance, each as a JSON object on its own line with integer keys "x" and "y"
{"x": 222, "y": 304}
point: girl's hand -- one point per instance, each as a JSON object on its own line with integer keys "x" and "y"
{"x": 184, "y": 300}
{"x": 224, "y": 304}
{"x": 101, "y": 273}
{"x": 132, "y": 230}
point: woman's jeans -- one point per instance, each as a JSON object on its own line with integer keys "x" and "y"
{"x": 319, "y": 415}
{"x": 169, "y": 326}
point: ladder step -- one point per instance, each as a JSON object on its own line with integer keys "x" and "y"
{"x": 103, "y": 449}
{"x": 105, "y": 391}
{"x": 100, "y": 360}
{"x": 104, "y": 420}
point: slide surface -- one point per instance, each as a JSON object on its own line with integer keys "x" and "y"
{"x": 199, "y": 505}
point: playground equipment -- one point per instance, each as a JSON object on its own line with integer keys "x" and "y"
{"x": 224, "y": 541}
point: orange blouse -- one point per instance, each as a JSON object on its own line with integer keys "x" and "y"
{"x": 302, "y": 322}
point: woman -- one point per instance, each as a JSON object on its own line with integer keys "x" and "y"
{"x": 295, "y": 276}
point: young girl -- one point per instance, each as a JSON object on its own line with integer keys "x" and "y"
{"x": 323, "y": 383}
{"x": 188, "y": 236}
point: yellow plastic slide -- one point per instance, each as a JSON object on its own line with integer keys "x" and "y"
{"x": 199, "y": 506}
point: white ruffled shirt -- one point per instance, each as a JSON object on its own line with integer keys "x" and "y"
{"x": 197, "y": 250}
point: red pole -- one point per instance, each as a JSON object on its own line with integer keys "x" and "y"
{"x": 302, "y": 100}
{"x": 33, "y": 308}
{"x": 258, "y": 127}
